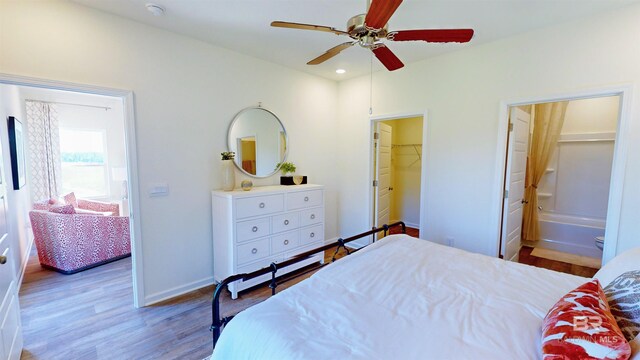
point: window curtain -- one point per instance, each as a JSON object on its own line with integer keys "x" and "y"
{"x": 547, "y": 123}
{"x": 44, "y": 150}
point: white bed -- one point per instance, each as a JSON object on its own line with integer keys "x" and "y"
{"x": 402, "y": 298}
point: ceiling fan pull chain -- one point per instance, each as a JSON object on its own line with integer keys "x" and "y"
{"x": 371, "y": 88}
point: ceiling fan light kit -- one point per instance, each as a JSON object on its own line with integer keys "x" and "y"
{"x": 367, "y": 30}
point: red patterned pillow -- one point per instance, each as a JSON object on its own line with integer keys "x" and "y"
{"x": 581, "y": 326}
{"x": 70, "y": 199}
{"x": 62, "y": 209}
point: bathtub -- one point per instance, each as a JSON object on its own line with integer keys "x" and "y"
{"x": 571, "y": 234}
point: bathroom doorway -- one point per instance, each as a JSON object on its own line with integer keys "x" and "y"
{"x": 558, "y": 179}
{"x": 397, "y": 153}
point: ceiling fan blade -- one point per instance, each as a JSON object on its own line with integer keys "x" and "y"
{"x": 386, "y": 57}
{"x": 291, "y": 25}
{"x": 432, "y": 35}
{"x": 331, "y": 53}
{"x": 380, "y": 12}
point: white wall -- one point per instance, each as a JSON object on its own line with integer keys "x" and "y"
{"x": 186, "y": 94}
{"x": 18, "y": 201}
{"x": 462, "y": 92}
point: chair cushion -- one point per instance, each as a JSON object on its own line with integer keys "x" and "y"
{"x": 81, "y": 211}
{"x": 62, "y": 209}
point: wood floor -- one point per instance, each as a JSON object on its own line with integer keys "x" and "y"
{"x": 527, "y": 258}
{"x": 90, "y": 315}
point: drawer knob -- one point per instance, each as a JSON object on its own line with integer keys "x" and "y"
{"x": 312, "y": 235}
{"x": 286, "y": 242}
{"x": 254, "y": 229}
{"x": 254, "y": 251}
{"x": 262, "y": 205}
{"x": 306, "y": 198}
{"x": 313, "y": 216}
{"x": 286, "y": 222}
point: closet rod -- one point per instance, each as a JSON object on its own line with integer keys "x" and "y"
{"x": 405, "y": 145}
{"x": 106, "y": 108}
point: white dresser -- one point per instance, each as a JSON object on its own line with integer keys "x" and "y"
{"x": 252, "y": 229}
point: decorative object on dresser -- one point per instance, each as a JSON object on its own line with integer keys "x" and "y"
{"x": 246, "y": 185}
{"x": 228, "y": 174}
{"x": 269, "y": 224}
{"x": 286, "y": 168}
{"x": 259, "y": 140}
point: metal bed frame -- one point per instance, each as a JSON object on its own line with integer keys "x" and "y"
{"x": 218, "y": 322}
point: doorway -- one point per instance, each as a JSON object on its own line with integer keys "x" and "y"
{"x": 111, "y": 169}
{"x": 560, "y": 180}
{"x": 397, "y": 171}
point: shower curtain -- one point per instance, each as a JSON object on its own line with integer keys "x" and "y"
{"x": 44, "y": 150}
{"x": 547, "y": 121}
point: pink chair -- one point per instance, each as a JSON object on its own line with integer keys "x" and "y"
{"x": 69, "y": 243}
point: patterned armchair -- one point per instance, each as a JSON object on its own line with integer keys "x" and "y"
{"x": 71, "y": 242}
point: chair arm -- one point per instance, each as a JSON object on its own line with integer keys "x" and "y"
{"x": 99, "y": 206}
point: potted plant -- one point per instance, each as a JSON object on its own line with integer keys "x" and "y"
{"x": 228, "y": 174}
{"x": 290, "y": 168}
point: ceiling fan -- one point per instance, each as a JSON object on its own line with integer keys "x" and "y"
{"x": 368, "y": 29}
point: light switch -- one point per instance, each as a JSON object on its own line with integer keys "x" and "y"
{"x": 158, "y": 189}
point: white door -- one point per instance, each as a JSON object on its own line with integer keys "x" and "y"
{"x": 514, "y": 184}
{"x": 382, "y": 175}
{"x": 10, "y": 326}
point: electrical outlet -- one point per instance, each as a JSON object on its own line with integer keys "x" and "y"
{"x": 450, "y": 241}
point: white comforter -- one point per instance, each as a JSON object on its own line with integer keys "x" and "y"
{"x": 403, "y": 298}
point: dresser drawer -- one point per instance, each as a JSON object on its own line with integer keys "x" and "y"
{"x": 253, "y": 251}
{"x": 311, "y": 216}
{"x": 252, "y": 229}
{"x": 289, "y": 221}
{"x": 304, "y": 199}
{"x": 285, "y": 241}
{"x": 311, "y": 235}
{"x": 260, "y": 205}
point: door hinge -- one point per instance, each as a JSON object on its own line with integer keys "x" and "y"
{"x": 376, "y": 136}
{"x": 375, "y": 182}
{"x": 506, "y": 194}
{"x": 510, "y": 126}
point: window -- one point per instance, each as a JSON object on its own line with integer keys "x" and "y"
{"x": 84, "y": 162}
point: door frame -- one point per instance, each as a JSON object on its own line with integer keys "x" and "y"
{"x": 620, "y": 155}
{"x": 423, "y": 172}
{"x": 127, "y": 98}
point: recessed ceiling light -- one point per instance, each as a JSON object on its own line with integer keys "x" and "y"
{"x": 340, "y": 71}
{"x": 155, "y": 9}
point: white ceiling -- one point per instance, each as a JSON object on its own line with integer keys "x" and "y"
{"x": 243, "y": 25}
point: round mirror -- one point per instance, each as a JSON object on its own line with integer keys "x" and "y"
{"x": 259, "y": 140}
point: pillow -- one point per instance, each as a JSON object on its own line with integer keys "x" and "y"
{"x": 62, "y": 209}
{"x": 623, "y": 295}
{"x": 627, "y": 261}
{"x": 581, "y": 326}
{"x": 70, "y": 199}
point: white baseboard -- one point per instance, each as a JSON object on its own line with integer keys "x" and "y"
{"x": 412, "y": 225}
{"x": 177, "y": 291}
{"x": 25, "y": 260}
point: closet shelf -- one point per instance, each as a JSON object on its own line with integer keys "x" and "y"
{"x": 416, "y": 147}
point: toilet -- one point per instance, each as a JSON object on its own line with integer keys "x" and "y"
{"x": 600, "y": 242}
